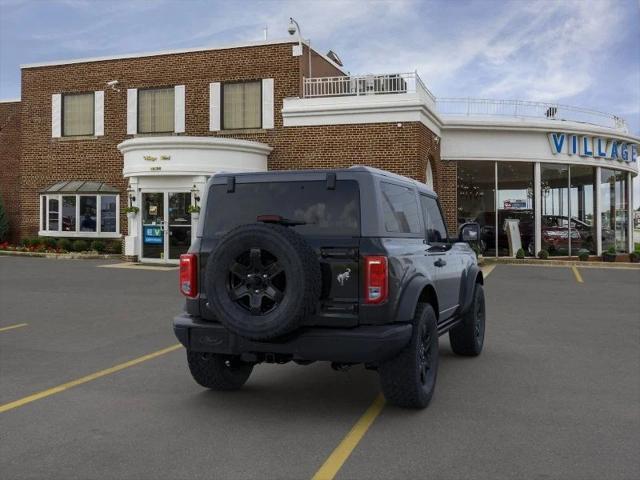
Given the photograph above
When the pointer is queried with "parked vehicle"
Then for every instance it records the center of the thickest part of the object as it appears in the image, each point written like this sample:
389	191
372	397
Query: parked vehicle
347	266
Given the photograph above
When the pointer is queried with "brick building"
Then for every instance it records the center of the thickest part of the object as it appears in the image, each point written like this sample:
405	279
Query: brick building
91	137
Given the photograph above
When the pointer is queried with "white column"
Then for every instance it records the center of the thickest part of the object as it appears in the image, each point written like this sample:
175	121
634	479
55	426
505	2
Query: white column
131	240
537	182
630	212
598	219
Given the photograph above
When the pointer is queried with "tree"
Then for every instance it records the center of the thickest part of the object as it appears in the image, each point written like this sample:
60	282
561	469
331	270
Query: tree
4	222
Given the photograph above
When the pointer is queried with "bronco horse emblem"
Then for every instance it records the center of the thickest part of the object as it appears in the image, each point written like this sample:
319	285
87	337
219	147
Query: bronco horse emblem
344	276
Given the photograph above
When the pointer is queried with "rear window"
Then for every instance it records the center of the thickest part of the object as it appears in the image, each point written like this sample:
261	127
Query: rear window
323	211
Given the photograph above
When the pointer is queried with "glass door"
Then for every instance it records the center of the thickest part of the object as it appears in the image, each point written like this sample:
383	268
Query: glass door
179	231
153	228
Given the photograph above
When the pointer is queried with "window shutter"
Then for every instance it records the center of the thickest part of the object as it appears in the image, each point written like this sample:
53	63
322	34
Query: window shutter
214	107
178	109
267	103
56	115
98	112
132	111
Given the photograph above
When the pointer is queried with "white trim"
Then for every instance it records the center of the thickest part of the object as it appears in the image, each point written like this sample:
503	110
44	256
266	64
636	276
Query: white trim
214	107
268	119
157	53
598	219
10	100
132	111
537	207
179	108
396	108
56	115
98	113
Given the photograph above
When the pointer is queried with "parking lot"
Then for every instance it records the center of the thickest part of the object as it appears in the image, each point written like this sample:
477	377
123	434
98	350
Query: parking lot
555	394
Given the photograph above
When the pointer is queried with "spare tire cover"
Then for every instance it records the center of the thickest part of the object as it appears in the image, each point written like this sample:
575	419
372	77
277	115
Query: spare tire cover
262	280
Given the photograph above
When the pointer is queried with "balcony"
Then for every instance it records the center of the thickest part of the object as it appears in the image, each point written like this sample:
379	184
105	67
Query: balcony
403	86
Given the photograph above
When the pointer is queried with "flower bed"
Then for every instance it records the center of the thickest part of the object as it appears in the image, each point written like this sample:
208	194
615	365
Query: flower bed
48	245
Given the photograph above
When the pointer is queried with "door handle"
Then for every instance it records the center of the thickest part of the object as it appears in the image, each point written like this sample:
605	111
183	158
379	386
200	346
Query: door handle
440	263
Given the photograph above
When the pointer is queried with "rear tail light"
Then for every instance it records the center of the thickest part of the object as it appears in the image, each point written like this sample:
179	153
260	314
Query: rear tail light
376	279
189	275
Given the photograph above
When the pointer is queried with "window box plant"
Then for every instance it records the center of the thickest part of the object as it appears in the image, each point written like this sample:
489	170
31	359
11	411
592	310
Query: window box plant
610	255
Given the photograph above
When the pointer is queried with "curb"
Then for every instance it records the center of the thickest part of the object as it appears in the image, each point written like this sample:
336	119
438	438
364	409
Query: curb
560	263
63	256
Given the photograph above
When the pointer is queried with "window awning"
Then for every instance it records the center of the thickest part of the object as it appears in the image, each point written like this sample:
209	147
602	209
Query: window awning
80	186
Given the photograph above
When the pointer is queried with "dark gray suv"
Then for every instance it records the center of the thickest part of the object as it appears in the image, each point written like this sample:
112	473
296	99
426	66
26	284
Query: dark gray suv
348	266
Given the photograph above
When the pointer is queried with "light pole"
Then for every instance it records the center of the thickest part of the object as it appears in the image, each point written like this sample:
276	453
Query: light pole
293	28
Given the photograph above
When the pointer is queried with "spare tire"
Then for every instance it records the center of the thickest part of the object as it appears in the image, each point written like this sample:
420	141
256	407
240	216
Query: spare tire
262	280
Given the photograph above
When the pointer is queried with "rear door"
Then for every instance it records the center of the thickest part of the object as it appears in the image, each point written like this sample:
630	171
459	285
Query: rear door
445	265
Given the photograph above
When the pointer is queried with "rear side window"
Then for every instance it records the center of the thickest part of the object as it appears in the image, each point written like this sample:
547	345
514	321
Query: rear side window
436	229
321	211
400	209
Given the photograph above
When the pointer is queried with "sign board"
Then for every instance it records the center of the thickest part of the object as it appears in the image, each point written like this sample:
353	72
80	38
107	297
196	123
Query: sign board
512	227
515	204
596	147
153	235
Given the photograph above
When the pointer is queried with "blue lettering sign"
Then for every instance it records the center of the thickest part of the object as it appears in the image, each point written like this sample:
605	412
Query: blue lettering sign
614	150
573	146
624	152
586	149
557	142
153	235
634	153
601	150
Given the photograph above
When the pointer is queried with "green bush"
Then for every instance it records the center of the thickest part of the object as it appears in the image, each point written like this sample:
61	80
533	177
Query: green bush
64	244
611	250
98	246
48	242
635	256
80	246
520	253
4	223
543	254
113	247
583	255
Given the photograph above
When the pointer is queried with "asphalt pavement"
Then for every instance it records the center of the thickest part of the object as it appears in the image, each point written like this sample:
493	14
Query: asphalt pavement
555	394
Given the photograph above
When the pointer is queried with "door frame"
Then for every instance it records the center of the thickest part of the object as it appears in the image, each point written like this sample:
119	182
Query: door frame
165	223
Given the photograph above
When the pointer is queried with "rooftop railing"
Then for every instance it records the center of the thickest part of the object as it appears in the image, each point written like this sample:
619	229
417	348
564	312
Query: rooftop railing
478	107
399	83
356	85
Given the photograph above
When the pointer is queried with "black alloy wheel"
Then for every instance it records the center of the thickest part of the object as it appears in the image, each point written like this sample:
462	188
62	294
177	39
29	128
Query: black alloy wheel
257	281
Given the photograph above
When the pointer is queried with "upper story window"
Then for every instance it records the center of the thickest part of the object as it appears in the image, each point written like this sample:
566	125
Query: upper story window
156	110
242	105
78	114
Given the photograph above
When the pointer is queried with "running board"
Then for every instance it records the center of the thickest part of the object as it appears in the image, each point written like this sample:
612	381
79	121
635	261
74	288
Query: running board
444	327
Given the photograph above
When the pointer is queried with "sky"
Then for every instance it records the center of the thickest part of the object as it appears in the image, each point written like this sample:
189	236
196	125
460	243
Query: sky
576	52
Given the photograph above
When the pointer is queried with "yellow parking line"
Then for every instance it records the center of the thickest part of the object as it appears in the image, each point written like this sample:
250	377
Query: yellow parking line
11	327
65	386
576	273
487	269
334	463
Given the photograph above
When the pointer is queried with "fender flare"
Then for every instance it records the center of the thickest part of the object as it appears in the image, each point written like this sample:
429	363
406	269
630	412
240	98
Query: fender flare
409	298
471	276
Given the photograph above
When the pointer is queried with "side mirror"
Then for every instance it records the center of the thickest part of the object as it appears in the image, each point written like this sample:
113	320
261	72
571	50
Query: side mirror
469	232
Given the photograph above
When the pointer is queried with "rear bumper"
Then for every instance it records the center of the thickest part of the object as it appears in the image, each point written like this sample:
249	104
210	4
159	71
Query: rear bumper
364	344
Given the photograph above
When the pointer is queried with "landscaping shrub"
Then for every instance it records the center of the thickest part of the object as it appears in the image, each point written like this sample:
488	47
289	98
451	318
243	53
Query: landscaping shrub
113	247
98	246
80	246
635	256
583	255
520	253
48	242
543	254
64	244
4	223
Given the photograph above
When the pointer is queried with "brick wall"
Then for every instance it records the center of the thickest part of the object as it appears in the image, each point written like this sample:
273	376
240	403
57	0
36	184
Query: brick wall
47	160
10	163
403	150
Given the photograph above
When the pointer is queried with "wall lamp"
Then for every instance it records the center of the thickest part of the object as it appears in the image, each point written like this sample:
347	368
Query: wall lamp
132	197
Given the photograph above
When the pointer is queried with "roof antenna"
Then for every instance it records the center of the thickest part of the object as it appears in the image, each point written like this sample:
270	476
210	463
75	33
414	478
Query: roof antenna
266	32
